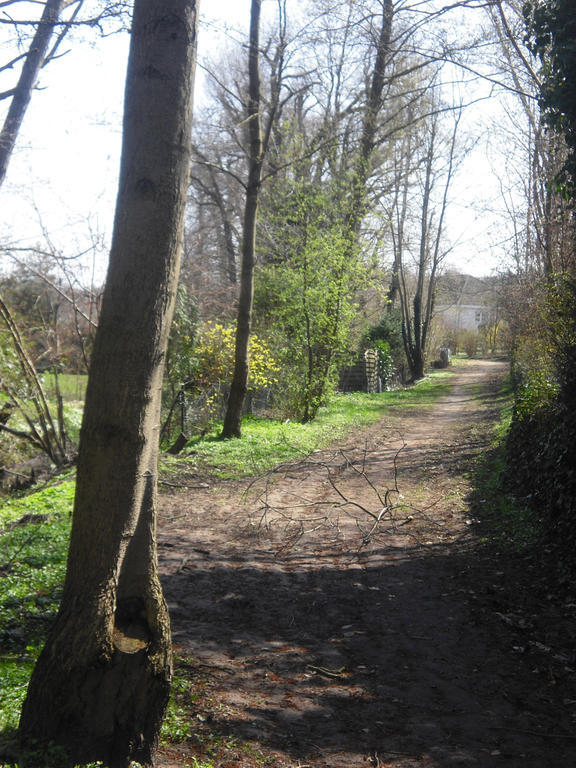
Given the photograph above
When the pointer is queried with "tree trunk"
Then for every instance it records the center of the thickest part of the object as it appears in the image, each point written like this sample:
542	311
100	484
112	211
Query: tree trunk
101	684
30	70
233	419
358	202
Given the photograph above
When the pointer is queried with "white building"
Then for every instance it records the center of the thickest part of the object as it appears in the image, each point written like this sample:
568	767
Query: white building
464	317
465	303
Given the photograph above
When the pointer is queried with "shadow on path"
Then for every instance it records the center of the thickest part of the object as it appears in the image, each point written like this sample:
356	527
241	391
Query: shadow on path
398	655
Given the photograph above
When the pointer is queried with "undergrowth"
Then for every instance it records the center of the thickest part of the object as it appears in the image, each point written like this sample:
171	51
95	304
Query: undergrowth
507	522
34	532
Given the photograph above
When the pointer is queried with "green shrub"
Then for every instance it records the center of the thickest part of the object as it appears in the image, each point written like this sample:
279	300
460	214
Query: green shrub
386	367
541	448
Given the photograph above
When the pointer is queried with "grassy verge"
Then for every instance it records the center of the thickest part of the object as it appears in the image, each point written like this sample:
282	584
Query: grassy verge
34	532
505	521
72	386
268	442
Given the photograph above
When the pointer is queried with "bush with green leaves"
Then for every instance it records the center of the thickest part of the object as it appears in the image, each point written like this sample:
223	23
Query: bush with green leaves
305	295
389	331
34	532
541	452
180	356
386	367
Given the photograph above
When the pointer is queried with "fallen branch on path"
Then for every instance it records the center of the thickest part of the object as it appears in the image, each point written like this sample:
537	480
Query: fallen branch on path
297	514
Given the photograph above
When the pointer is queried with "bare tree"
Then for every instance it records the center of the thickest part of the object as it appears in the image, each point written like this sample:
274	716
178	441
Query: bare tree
101	684
536	212
50	30
22	93
44	430
418	240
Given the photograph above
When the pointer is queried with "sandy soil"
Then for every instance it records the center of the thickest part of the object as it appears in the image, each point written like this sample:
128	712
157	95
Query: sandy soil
343	611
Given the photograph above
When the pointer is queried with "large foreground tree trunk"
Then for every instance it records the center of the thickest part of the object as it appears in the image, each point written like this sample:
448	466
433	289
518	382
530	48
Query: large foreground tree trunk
100	687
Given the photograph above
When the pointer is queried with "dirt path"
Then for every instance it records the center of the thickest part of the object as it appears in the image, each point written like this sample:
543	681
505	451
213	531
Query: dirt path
329	623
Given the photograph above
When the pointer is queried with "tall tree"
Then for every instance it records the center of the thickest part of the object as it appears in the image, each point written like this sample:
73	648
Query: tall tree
101	684
20	96
50	30
357	205
233	418
419	247
531	154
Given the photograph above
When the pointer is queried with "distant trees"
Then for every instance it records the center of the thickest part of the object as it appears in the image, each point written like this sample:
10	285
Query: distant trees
56	314
332	132
426	168
23	393
46	319
101	684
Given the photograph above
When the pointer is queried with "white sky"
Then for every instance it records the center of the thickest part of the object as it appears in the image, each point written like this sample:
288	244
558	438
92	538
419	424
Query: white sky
63	175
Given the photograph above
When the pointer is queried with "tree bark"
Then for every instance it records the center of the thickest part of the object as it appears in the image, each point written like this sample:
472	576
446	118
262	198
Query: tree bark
358	202
101	684
233	419
30	70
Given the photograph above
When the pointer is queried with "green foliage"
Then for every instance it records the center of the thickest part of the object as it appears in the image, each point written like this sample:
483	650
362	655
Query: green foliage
541	445
511	523
389	330
551	34
15	672
33	547
307	297
386	367
71	386
267	442
180	359
35	531
544	356
178	724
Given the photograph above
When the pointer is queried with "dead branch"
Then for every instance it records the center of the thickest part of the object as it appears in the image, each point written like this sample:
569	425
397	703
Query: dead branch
296	515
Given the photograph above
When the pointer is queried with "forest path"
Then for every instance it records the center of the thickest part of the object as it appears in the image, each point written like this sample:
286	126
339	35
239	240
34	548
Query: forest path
316	639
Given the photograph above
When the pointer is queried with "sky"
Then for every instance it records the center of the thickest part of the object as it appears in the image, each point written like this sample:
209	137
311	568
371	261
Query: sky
63	175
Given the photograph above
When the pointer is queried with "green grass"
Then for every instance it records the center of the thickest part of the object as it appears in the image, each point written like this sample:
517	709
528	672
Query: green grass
72	386
267	442
178	722
32	563
509	524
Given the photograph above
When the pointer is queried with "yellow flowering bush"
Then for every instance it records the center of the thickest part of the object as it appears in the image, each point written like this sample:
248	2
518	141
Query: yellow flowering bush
214	354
